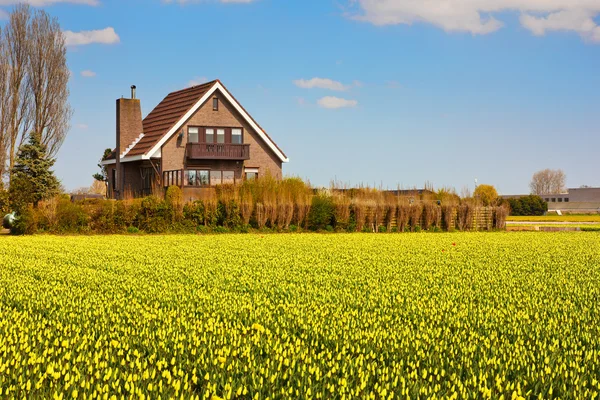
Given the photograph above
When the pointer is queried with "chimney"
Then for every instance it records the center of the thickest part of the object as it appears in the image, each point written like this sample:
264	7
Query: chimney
129	128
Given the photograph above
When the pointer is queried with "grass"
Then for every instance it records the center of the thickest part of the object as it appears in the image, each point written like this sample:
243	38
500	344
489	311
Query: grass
449	315
557	218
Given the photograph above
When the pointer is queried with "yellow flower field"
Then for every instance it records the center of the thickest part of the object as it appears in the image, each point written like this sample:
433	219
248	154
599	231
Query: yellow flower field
452	315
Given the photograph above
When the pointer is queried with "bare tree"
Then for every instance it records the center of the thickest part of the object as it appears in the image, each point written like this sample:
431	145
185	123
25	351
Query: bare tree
4	101
33	84
548	181
48	81
16	44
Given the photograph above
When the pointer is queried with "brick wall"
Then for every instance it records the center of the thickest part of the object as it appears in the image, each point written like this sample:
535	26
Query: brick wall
129	127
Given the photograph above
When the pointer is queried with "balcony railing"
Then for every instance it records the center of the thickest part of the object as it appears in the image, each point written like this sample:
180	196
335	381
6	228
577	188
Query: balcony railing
218	151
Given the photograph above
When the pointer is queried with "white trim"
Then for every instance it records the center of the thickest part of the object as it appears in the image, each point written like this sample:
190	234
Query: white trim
255	170
125	159
195	108
131	146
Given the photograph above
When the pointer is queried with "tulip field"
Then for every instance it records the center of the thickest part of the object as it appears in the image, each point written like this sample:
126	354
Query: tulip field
512	315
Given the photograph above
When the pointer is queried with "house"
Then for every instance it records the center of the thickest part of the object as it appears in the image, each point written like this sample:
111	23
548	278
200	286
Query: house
575	200
194	138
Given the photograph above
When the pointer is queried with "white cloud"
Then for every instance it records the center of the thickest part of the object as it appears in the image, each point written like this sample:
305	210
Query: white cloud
88	74
42	3
199	80
336	102
320	83
103	36
478	16
81	126
578	21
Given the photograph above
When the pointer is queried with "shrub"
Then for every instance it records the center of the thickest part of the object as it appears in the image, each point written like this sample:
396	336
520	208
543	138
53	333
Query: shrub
465	214
448	217
194	212
500	214
132	230
321	212
25	223
155	215
402	217
71	217
416	212
531	205
174	199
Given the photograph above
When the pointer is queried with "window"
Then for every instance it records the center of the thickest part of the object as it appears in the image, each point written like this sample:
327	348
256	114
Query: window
192	135
191	178
547	199
215	178
172	178
228	177
566	199
202	178
196	177
220	135
210	135
251	173
147	175
215	104
236	136
560	199
114	179
554	199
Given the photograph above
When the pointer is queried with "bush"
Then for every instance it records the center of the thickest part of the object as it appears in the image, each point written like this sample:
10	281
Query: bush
155	215
132	230
26	222
531	205
321	212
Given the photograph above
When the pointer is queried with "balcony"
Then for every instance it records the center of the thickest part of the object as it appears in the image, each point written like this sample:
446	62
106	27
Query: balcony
217	151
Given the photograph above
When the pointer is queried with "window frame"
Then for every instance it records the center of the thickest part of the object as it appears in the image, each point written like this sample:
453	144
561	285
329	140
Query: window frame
250	170
197	133
215	104
241	135
197	174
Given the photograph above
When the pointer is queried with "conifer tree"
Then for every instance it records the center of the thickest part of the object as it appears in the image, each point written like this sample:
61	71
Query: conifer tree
32	176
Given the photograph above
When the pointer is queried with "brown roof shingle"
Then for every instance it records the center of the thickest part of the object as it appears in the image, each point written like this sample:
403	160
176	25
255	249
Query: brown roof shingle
166	114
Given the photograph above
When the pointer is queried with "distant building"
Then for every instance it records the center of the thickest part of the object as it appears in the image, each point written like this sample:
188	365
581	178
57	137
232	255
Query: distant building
583	200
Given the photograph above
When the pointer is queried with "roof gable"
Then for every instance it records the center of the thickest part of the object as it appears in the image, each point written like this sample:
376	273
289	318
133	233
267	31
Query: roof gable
166	114
167	118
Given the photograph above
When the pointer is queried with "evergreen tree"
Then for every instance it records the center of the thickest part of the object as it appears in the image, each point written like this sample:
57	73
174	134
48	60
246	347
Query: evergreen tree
102	176
32	178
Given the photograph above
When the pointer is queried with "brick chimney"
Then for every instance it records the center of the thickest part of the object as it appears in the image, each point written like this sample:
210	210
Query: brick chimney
129	127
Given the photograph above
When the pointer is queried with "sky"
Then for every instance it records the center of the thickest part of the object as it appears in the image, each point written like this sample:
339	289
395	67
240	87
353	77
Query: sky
387	93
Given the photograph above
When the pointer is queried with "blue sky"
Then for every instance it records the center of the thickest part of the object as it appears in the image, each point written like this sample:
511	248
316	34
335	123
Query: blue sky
407	92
